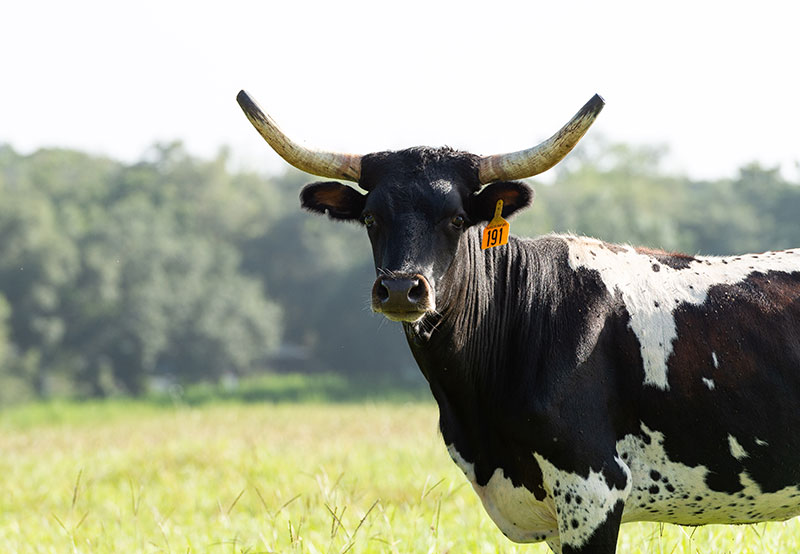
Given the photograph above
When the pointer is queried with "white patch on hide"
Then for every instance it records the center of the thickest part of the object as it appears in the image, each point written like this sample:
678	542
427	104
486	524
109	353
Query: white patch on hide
515	510
442	185
584	503
759	442
737	451
669	491
715	360
652	290
709	383
658	489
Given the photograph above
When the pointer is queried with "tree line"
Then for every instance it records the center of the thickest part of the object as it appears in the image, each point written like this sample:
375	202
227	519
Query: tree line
178	269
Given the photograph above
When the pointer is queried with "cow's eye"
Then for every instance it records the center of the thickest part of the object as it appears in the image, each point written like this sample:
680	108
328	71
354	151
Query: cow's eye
369	220
457	221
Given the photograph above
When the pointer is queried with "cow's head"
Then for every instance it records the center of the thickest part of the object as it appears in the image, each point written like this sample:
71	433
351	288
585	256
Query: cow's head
420	203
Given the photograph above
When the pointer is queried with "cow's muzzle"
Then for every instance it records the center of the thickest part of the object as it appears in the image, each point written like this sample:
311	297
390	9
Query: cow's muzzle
402	297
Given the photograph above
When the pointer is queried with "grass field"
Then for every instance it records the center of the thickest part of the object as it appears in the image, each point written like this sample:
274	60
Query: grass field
245	478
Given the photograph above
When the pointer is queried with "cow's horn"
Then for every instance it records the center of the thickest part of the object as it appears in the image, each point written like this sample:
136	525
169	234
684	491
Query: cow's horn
317	162
530	162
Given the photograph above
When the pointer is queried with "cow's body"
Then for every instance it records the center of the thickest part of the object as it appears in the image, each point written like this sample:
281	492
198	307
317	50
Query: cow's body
580	384
593	384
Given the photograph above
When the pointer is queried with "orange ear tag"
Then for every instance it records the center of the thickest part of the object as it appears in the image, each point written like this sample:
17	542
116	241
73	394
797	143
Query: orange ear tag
496	232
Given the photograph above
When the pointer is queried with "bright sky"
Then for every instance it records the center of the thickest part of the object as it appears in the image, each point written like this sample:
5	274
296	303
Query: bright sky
718	82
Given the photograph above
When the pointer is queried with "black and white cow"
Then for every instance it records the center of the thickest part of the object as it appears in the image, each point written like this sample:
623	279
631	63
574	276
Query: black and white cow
580	384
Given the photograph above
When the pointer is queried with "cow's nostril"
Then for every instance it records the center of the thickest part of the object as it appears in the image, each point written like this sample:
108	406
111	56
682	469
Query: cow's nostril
381	292
416	292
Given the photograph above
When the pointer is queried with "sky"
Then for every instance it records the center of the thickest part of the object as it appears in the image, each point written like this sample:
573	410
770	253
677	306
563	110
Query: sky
716	82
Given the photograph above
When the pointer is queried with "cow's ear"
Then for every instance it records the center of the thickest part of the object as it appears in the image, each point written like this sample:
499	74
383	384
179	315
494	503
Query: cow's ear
337	200
515	196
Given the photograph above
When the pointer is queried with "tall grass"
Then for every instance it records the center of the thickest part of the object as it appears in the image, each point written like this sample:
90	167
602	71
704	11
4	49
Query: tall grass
246	478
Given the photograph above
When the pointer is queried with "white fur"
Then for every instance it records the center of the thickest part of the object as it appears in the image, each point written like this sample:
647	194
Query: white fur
702	504
652	296
515	510
737	451
442	185
523	518
658	489
597	500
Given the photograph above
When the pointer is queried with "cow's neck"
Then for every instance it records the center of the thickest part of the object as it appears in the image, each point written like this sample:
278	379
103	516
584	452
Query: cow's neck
486	332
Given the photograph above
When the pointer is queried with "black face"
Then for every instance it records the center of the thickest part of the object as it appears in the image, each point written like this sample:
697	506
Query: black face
420	204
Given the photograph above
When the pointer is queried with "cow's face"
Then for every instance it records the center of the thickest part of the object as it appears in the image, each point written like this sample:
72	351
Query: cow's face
420	204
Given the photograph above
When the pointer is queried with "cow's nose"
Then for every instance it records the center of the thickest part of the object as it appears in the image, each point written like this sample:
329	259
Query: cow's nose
403	297
391	291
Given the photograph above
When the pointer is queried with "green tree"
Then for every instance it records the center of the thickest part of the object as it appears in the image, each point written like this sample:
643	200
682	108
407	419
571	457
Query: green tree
116	273
37	264
161	293
619	195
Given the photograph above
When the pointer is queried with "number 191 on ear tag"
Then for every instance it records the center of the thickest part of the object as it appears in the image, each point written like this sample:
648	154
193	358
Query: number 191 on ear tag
496	232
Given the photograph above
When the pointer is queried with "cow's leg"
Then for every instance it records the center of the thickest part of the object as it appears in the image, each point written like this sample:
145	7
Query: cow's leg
589	506
604	538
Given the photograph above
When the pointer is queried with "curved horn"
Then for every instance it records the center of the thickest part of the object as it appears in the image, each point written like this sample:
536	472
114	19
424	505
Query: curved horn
530	162
317	162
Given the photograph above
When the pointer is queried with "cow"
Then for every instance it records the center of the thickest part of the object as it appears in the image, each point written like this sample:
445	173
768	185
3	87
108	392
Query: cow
580	384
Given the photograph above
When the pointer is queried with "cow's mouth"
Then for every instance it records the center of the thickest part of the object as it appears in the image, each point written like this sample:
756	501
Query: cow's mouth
407	317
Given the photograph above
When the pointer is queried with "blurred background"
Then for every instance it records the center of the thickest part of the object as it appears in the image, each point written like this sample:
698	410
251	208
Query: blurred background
152	244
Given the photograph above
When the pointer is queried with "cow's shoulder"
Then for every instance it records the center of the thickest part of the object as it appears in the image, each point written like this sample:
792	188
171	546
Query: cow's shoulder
655	286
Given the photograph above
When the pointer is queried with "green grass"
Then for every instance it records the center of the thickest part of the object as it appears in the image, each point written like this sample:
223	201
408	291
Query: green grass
236	478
